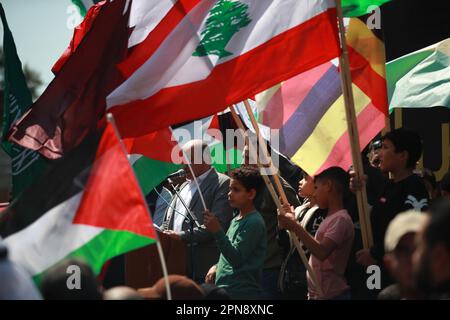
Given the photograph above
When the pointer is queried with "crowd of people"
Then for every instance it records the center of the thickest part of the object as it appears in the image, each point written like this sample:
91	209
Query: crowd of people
242	246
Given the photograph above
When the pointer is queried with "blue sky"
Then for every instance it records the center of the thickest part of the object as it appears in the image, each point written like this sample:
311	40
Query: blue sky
42	29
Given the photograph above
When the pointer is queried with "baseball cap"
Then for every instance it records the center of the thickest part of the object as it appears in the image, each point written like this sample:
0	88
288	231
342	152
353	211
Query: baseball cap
403	223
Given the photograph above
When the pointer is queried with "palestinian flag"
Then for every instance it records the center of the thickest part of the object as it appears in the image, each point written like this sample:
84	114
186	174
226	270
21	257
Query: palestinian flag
222	52
88	206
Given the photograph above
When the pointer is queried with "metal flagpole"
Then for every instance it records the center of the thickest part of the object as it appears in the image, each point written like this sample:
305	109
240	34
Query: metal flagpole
195	179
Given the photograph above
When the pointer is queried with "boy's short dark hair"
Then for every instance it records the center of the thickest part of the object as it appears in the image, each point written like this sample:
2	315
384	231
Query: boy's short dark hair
249	177
406	140
338	176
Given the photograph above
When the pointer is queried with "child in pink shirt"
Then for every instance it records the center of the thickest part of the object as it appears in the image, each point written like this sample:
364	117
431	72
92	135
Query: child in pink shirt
331	246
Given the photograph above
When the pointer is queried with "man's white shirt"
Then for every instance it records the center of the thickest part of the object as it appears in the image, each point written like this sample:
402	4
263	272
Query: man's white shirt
186	193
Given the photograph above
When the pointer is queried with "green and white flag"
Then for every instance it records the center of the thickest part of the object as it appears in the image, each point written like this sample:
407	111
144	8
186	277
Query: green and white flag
27	165
420	79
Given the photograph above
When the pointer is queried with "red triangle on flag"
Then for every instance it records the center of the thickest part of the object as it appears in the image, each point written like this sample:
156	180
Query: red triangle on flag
112	198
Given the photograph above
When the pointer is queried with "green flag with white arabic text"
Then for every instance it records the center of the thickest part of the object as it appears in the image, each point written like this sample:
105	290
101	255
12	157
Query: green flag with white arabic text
27	165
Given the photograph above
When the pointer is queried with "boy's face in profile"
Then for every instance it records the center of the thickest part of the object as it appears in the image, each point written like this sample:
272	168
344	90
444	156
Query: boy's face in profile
321	190
306	186
238	196
389	159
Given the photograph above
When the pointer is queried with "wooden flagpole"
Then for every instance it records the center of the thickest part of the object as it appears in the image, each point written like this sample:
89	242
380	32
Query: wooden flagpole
264	150
346	83
387	125
275	198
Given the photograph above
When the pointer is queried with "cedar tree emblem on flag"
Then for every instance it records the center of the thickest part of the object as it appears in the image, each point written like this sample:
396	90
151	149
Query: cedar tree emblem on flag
225	19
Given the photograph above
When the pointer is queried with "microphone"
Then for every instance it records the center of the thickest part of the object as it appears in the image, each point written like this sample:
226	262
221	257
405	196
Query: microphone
177	174
180	174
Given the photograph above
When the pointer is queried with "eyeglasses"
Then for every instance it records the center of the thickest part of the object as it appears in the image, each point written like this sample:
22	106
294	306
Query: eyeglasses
376	145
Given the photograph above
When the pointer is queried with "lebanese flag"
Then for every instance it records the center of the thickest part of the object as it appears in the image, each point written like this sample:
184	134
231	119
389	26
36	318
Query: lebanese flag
88	206
220	53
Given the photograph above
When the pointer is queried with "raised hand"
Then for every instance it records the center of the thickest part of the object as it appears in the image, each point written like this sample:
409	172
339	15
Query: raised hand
211	222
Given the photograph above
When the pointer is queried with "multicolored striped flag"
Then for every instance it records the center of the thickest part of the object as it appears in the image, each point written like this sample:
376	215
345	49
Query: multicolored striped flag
88	206
202	66
420	79
309	109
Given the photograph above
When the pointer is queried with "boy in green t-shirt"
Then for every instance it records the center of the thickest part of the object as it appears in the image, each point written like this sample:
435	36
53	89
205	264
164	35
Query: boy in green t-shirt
243	247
